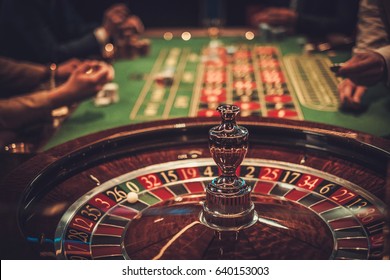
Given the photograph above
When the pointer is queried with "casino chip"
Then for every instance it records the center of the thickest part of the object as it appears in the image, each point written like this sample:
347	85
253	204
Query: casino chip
108	95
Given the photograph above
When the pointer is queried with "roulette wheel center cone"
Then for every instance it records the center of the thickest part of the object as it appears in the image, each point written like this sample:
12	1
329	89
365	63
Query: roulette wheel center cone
228	206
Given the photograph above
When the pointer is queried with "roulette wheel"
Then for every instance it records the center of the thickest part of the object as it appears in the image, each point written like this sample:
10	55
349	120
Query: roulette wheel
177	189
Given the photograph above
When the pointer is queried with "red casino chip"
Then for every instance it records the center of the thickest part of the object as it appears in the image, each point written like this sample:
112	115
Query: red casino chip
244	85
215	63
243	68
214	91
215	77
213	98
269	63
242	54
272	76
266	50
278	98
248	106
282	114
208	113
220	51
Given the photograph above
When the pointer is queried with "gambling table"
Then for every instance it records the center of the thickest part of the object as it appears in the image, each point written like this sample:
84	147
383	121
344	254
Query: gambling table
269	79
117	182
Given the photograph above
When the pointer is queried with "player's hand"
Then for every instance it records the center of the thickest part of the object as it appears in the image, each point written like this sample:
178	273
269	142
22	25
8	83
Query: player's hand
87	79
66	68
132	25
114	17
365	68
350	95
276	17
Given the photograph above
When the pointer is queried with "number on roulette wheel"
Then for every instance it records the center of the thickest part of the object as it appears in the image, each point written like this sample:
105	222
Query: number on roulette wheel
152	191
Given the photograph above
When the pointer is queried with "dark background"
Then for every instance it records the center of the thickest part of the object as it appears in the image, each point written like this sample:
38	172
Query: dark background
175	13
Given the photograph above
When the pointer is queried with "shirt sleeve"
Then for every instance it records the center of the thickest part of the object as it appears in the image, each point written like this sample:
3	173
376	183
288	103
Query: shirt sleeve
385	52
372	34
19	77
19	111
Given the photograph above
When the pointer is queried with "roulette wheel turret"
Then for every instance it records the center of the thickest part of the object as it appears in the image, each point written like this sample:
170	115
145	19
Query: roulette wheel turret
228	205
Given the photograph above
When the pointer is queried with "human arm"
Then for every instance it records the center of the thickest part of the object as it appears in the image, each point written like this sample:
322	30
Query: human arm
86	80
18	77
19	111
371	59
23	110
365	68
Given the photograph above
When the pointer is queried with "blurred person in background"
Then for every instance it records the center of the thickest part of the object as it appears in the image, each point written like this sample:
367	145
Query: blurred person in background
48	31
312	18
370	62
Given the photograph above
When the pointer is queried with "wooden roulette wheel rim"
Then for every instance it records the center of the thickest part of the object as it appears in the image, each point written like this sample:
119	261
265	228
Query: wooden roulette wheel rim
49	178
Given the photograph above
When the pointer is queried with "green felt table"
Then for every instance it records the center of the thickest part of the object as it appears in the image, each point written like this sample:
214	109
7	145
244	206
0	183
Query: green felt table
88	118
